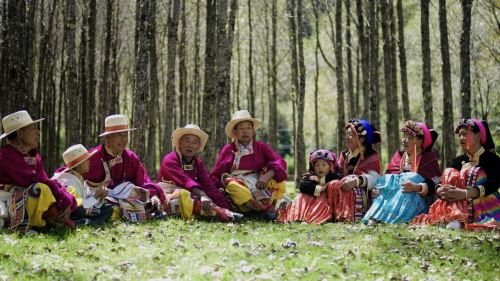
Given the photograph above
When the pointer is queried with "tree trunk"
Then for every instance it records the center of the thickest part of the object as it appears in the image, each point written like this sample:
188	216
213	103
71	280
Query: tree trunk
301	147
105	100
182	69
350	83
17	61
72	125
426	64
465	107
3	61
363	42
391	100
251	94
30	85
173	19
141	85
153	95
316	78
83	77
210	96
114	107
273	112
340	76
197	92
373	97
402	62
449	149
90	134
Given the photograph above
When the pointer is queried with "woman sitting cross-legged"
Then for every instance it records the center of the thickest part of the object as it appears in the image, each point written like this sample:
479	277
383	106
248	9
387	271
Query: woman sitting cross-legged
34	199
91	206
408	187
469	189
311	205
189	189
360	168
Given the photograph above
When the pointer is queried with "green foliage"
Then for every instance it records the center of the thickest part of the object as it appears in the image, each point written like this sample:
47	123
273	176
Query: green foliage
290	164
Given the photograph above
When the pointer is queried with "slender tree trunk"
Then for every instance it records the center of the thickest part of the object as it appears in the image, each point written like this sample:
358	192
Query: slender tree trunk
373	97
182	69
90	135
170	98
465	104
251	94
153	94
363	42
358	80
105	100
197	89
30	85
301	147
402	62
350	83
113	100
316	79
3	61
273	112
72	125
17	61
449	149
210	96
340	76
391	101
293	14
83	76
426	64
141	87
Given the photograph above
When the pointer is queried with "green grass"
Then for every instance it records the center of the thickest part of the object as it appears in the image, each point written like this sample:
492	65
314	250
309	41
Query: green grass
194	250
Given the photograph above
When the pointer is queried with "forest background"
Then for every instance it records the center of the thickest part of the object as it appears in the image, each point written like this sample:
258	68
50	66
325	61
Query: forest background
303	67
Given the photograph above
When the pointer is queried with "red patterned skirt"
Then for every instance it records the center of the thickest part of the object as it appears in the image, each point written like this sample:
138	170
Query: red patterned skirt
308	208
347	206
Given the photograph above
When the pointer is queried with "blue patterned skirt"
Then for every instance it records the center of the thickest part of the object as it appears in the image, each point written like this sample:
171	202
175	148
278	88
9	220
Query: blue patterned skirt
394	206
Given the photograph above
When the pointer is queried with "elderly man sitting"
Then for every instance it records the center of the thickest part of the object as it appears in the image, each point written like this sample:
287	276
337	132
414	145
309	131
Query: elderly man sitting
120	170
183	174
31	196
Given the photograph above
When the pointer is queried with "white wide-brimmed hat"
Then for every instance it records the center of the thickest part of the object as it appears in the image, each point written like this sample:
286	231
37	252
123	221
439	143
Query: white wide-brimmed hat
240	116
190	129
76	155
16	121
115	124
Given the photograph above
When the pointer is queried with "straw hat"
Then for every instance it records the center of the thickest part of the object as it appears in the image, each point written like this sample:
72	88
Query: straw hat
190	129
240	116
16	121
76	155
115	124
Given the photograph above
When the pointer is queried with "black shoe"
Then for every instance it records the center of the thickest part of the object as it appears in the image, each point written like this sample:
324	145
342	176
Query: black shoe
158	215
272	215
210	219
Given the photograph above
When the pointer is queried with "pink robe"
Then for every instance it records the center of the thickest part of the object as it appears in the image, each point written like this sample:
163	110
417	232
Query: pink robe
171	170
263	156
15	170
133	171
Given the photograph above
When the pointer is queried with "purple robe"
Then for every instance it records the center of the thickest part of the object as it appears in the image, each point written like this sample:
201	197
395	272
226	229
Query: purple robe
171	170
124	168
20	170
262	157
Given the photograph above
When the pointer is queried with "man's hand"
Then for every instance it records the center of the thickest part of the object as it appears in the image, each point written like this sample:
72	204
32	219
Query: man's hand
349	184
63	216
206	204
155	201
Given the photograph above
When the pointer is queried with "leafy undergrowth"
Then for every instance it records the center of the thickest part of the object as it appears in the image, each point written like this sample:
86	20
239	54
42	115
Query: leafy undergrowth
173	249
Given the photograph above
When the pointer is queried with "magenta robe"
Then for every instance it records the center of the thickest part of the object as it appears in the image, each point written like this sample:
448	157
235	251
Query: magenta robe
263	156
171	170
134	171
14	170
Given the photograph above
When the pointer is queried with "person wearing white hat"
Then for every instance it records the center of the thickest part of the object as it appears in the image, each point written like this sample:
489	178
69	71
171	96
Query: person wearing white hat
113	166
91	206
182	170
35	198
248	170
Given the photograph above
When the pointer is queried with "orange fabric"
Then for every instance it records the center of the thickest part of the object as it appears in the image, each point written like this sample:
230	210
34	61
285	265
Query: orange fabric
77	160
342	202
116	128
446	211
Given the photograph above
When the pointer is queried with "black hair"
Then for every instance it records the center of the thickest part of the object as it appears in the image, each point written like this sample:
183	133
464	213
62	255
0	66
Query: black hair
12	136
242	121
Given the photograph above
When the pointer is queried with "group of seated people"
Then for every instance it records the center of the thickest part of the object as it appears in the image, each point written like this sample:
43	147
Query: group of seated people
413	188
109	182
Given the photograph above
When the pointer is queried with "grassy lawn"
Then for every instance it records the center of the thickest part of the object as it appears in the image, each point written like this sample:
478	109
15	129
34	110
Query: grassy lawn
174	249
